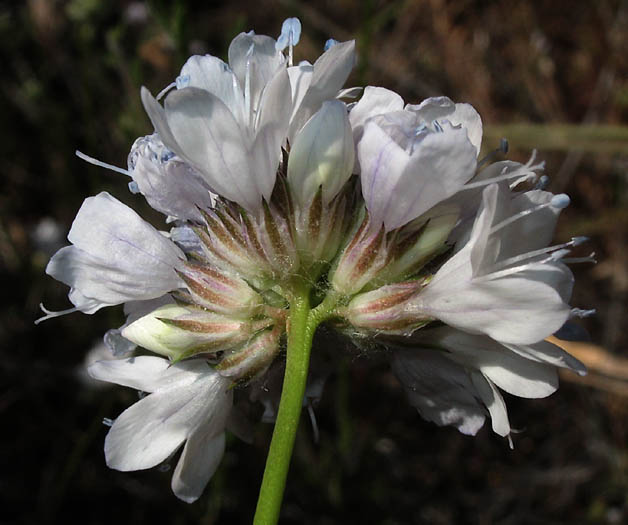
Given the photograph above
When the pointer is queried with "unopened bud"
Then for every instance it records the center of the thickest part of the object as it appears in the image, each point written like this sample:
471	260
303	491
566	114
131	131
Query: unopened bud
253	358
383	310
361	260
219	292
322	155
179	332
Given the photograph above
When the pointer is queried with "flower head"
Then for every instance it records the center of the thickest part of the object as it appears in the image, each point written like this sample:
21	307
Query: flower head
289	207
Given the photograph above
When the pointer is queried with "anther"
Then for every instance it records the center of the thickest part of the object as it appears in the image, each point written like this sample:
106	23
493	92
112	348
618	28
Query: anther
289	37
560	201
330	43
503	149
526	171
542	182
182	81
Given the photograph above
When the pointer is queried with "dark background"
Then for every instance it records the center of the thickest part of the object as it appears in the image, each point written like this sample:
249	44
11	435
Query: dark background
70	79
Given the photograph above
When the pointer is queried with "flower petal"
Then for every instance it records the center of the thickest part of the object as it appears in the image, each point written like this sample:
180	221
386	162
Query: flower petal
439	389
494	402
330	72
271	128
172	188
146	433
375	101
400	185
254	61
322	154
522	308
509	371
198	463
116	257
147	373
209	138
546	352
442	109
212	74
381	162
149	431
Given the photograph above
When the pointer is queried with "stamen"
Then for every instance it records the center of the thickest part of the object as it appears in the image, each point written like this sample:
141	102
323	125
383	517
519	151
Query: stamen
289	37
166	89
134	188
107	421
329	44
529	255
503	148
542	183
556	256
101	164
526	171
182	81
578	312
310	411
575	260
560	201
50	314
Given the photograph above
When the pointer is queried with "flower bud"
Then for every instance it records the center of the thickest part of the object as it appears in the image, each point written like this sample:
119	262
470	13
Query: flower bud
253	358
320	230
220	292
322	155
383	310
259	249
179	332
361	260
416	245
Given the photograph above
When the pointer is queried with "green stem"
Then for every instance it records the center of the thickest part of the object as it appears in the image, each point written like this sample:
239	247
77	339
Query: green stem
297	363
301	328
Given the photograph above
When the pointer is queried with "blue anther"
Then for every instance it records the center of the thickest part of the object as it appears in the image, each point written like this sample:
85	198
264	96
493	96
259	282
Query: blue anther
560	201
503	145
166	156
182	81
134	188
290	34
542	182
330	43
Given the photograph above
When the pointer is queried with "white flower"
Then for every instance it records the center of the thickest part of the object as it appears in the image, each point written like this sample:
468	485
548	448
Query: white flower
252	160
116	257
452	377
188	403
229	122
314	84
503	282
168	184
411	159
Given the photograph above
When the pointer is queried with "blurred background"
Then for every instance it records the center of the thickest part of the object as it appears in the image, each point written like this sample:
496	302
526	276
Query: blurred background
546	75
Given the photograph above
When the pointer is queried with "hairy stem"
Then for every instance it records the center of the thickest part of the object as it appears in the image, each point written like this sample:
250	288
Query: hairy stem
297	363
302	325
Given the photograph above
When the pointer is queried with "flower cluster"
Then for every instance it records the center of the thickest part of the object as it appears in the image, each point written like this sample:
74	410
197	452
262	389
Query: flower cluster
269	176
